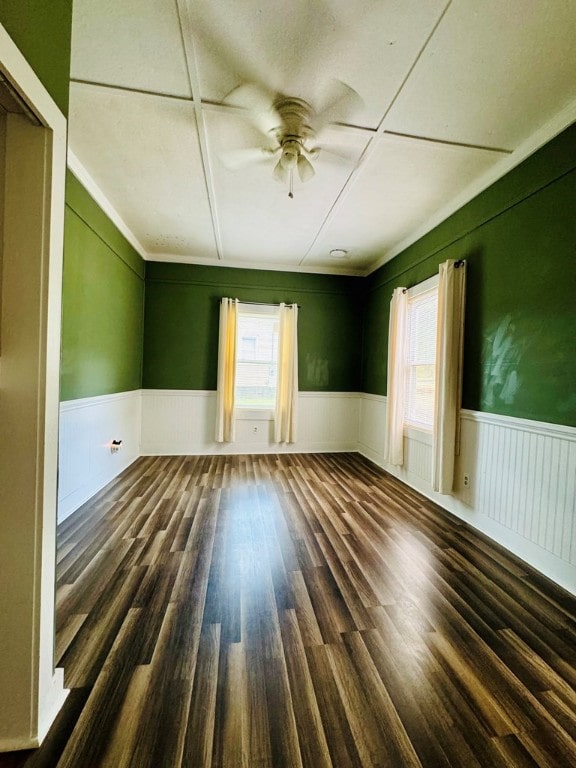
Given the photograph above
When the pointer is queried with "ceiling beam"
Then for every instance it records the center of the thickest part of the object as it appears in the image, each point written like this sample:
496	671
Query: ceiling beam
349	128
371	145
190	56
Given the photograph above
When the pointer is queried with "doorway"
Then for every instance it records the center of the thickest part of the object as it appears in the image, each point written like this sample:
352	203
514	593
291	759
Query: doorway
32	176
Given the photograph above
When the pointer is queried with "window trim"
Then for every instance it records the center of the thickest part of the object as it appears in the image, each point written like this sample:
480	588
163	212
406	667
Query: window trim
423	287
410	428
249	412
244	413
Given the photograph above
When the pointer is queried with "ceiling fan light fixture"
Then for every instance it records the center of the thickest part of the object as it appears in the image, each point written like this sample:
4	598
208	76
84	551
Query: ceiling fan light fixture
290	154
291	122
305	169
280	172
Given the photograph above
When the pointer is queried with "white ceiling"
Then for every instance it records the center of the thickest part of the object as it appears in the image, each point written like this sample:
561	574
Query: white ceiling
453	94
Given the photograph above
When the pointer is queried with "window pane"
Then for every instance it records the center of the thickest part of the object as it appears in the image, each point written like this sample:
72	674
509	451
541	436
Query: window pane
420	405
422	329
256	361
421	359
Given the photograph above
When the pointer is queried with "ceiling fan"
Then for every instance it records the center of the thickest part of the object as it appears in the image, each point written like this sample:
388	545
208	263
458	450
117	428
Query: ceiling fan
290	124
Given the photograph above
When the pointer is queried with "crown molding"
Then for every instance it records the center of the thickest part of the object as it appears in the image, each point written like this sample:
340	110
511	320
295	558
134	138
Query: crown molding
538	139
96	193
173	258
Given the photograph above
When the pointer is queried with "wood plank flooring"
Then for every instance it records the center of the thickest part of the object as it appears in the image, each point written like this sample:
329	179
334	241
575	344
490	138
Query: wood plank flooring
300	611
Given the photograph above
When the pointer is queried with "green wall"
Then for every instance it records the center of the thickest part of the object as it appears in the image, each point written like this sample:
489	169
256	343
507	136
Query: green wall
181	323
519	239
42	30
102	305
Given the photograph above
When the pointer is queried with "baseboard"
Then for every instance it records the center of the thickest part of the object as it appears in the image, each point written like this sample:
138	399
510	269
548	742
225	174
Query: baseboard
182	422
87	459
522	491
19	744
51	706
501	455
70	503
239	449
54	700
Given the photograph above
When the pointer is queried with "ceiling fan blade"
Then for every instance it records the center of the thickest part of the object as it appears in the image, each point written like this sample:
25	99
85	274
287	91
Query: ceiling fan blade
340	155
280	173
342	102
259	104
235	159
305	169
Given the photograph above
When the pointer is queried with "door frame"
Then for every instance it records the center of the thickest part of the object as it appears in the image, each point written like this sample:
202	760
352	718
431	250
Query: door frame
31	285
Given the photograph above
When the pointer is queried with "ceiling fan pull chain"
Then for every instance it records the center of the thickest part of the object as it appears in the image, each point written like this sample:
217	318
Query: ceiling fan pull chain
291	193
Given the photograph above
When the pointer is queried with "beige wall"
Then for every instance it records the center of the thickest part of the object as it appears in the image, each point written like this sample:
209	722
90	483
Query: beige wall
2	184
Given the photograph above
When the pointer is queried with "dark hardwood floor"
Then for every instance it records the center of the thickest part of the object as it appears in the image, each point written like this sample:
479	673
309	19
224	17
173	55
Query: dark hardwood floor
300	610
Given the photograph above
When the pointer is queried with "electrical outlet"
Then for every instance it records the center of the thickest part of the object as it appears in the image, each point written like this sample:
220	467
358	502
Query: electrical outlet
466	480
254	430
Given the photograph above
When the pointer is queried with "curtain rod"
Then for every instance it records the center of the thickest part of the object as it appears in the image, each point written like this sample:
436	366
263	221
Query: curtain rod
263	303
457	264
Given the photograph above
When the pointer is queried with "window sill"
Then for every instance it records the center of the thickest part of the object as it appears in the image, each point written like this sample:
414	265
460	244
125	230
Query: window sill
421	434
254	414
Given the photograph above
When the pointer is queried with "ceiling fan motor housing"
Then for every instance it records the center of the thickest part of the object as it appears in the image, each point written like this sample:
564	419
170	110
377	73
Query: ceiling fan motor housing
291	134
296	118
291	148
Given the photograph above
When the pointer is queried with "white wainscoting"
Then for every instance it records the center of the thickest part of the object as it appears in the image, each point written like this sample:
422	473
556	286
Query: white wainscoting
180	422
87	428
523	482
523	473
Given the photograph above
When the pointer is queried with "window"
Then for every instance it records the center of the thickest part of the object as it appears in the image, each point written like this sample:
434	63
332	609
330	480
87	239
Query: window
257	368
420	362
256	357
425	352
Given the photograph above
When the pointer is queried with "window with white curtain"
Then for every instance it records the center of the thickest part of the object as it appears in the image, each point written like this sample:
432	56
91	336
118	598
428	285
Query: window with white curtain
425	354
256	357
420	354
257	368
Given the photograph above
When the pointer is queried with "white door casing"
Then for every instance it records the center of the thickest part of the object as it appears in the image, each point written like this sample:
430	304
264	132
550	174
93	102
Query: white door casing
30	309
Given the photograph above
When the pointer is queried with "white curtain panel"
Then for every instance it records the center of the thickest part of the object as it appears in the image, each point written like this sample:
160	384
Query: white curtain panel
226	371
287	386
394	451
449	355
